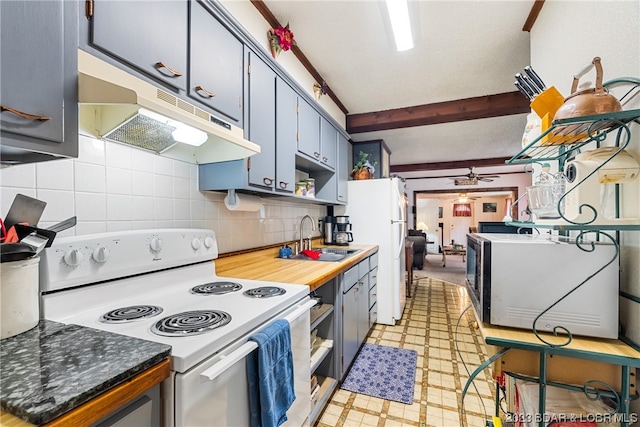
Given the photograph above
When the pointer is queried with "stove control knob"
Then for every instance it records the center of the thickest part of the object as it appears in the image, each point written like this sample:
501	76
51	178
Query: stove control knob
73	258
208	242
155	244
100	254
196	243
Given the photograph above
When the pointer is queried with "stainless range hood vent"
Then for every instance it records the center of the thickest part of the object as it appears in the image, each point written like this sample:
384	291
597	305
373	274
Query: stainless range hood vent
118	106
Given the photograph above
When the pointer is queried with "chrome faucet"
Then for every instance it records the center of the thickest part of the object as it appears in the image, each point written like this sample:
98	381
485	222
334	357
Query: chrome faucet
313	228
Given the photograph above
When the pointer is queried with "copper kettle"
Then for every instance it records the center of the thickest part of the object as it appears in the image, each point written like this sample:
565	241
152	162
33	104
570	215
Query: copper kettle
588	102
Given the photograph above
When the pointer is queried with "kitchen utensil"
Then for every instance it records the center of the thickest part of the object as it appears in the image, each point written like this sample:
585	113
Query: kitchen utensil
24	209
19	294
535	77
63	225
528	90
37	238
536	90
590	101
523	90
16	252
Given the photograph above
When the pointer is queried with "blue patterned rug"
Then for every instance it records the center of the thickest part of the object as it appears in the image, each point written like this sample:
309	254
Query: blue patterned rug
385	372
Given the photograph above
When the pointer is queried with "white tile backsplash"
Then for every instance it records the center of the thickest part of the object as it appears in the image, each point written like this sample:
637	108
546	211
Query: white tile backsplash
22	177
113	187
89	177
91	206
55	175
118	181
91	150
119	207
142	183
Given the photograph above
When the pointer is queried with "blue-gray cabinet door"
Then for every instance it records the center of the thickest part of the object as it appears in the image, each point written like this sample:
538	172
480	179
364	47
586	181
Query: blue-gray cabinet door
148	35
350	344
308	130
216	64
39	72
343	168
286	129
262	122
328	143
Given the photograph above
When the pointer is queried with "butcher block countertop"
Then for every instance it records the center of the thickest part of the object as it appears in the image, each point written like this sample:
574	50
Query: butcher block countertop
265	265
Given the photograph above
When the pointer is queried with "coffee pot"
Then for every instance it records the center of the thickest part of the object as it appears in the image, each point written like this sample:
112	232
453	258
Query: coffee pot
328	228
343	237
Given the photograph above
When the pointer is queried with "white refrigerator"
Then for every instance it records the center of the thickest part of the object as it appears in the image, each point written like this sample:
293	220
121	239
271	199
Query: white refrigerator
377	213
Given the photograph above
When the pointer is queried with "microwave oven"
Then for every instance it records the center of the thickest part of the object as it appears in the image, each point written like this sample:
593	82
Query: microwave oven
512	278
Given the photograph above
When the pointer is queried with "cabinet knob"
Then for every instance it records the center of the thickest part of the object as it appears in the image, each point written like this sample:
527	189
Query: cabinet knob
316	154
283	184
324	159
160	64
207	94
267	180
24	115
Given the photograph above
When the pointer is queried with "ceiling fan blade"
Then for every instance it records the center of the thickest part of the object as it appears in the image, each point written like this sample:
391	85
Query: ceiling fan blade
485	179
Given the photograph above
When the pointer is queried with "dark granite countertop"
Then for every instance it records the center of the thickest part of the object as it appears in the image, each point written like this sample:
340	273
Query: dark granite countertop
53	368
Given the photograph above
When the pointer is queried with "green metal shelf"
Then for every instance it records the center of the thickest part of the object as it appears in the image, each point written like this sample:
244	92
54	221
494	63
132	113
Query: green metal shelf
560	141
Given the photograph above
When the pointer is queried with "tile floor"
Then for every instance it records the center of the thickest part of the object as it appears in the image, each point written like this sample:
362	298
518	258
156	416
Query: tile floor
429	327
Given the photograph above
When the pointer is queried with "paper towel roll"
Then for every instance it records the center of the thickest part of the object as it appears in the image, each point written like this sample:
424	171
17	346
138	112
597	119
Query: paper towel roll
242	202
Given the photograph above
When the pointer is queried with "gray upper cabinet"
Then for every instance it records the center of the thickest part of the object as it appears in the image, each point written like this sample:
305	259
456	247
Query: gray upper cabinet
308	130
343	168
38	65
215	64
286	130
148	35
328	143
262	122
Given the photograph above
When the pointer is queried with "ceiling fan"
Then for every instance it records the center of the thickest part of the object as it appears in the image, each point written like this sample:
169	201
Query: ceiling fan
472	178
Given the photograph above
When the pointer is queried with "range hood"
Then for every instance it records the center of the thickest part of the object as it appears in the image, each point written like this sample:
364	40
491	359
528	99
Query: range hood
118	106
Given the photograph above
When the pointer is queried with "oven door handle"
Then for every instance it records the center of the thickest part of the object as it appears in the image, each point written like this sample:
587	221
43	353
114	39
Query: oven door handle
235	356
229	360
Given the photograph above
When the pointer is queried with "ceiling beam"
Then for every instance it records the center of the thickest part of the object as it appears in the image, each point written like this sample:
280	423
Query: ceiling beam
273	21
533	15
480	107
458	164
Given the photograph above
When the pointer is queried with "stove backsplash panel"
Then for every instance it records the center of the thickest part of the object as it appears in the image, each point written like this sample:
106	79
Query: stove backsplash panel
112	187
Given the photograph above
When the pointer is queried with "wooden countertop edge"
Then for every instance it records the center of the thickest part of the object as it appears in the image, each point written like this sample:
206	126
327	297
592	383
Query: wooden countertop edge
102	405
265	265
498	335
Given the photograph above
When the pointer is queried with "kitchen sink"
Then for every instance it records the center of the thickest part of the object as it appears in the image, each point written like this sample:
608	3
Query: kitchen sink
327	255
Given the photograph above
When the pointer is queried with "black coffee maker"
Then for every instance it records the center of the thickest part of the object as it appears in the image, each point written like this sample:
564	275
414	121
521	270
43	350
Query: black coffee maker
342	235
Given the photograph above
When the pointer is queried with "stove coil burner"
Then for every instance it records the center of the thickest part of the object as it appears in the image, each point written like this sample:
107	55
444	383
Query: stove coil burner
190	323
216	288
265	292
129	314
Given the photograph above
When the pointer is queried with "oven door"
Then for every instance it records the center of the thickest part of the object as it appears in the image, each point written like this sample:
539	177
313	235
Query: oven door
215	392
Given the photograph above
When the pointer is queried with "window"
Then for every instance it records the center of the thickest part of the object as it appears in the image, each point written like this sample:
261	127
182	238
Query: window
461	209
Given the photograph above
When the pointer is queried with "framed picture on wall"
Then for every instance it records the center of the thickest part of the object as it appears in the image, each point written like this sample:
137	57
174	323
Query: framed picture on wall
490	207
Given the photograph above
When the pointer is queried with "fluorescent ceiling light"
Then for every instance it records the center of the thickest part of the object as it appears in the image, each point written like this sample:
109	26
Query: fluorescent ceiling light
399	16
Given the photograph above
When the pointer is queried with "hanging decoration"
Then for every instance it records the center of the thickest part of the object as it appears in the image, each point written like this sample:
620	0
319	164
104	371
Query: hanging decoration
319	90
280	38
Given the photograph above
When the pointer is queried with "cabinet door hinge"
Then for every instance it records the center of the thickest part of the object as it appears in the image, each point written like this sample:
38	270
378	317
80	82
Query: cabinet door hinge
240	101
88	8
248	68
248	163
297	136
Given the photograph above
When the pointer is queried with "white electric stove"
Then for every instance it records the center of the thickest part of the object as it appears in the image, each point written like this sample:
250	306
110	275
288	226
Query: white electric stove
161	285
